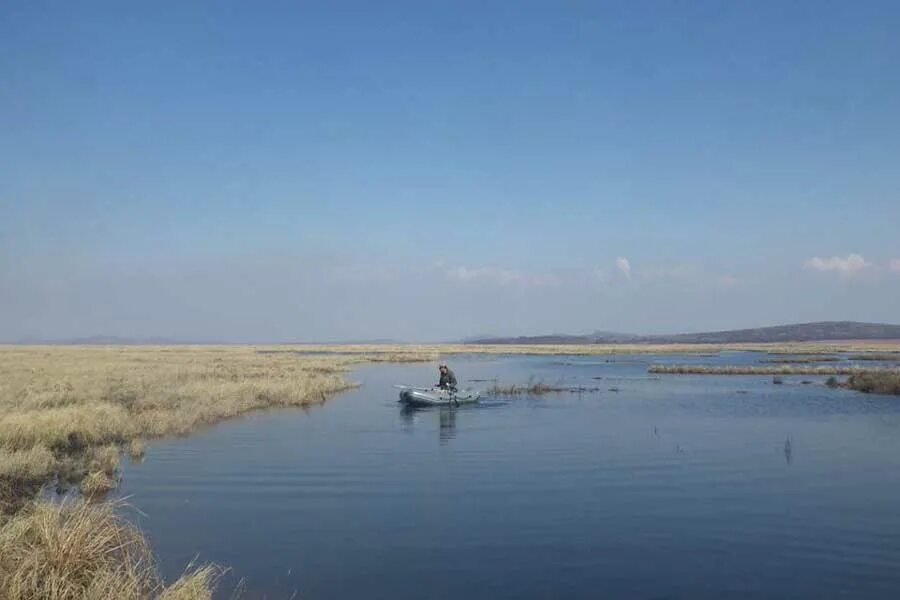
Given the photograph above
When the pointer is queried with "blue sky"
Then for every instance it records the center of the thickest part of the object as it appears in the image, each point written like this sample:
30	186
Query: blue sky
425	170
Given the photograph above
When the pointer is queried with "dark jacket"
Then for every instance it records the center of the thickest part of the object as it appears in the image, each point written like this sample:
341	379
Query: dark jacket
448	380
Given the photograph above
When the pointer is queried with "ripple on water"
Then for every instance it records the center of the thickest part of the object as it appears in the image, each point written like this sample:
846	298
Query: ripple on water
677	487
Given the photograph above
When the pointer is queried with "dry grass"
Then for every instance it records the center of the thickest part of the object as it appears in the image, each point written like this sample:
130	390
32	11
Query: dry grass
883	356
58	404
530	389
760	370
801	359
68	411
136	449
197	584
533	388
884	382
84	551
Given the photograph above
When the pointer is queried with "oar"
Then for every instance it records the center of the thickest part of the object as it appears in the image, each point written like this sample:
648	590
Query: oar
412	387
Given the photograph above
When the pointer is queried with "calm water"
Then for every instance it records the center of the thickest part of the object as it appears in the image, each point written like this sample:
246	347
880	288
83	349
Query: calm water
678	487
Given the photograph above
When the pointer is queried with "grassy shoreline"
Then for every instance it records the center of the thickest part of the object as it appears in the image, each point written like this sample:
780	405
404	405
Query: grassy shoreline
67	414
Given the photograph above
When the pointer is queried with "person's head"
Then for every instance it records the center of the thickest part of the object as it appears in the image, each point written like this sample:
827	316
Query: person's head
442	368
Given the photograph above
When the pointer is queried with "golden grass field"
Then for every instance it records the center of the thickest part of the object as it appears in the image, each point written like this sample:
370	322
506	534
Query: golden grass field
67	414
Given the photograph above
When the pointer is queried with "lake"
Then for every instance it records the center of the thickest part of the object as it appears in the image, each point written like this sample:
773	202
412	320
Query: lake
671	487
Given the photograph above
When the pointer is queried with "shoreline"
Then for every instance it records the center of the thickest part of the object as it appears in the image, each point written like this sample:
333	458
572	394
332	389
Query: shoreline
69	413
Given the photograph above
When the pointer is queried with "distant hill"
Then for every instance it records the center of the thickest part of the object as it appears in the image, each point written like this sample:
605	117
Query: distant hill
801	332
106	340
113	340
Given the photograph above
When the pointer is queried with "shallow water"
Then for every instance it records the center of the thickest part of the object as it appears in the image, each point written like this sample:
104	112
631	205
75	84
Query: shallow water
676	487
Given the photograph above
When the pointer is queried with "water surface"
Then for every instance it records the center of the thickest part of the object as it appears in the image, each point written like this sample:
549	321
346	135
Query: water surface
670	487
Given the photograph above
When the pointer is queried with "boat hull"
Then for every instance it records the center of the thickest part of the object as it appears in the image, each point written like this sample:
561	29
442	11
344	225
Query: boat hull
438	397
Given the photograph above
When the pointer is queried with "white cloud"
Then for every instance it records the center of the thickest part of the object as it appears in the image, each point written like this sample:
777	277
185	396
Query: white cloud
624	265
846	266
895	265
497	276
728	281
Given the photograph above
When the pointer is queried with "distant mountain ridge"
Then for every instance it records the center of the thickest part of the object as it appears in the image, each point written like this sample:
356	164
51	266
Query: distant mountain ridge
799	332
114	340
108	340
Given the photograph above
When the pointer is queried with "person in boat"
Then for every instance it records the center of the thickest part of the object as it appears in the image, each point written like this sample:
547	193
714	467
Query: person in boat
448	379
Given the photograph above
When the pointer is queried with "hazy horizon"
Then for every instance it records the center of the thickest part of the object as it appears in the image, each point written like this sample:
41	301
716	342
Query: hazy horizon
352	171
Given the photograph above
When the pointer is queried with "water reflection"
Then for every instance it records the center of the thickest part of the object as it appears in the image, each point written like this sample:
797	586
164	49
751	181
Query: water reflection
448	424
446	419
551	496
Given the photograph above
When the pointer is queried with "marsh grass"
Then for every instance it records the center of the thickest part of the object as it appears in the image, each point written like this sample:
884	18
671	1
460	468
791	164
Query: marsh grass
136	449
76	550
533	388
880	356
68	412
801	359
884	382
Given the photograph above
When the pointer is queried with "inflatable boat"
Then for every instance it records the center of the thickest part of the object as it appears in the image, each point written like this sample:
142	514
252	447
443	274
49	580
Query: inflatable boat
414	396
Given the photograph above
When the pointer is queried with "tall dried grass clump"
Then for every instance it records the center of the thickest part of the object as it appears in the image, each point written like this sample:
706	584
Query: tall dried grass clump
196	584
83	551
875	382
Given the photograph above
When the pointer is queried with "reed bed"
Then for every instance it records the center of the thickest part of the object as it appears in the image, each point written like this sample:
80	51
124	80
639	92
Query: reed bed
800	359
885	382
763	370
67	412
78	550
880	356
535	389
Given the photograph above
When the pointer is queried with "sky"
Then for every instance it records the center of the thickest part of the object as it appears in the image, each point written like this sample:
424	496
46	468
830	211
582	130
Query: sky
427	171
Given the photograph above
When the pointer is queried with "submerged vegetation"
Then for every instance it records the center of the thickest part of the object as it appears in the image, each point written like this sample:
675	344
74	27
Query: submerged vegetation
762	370
535	389
530	389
